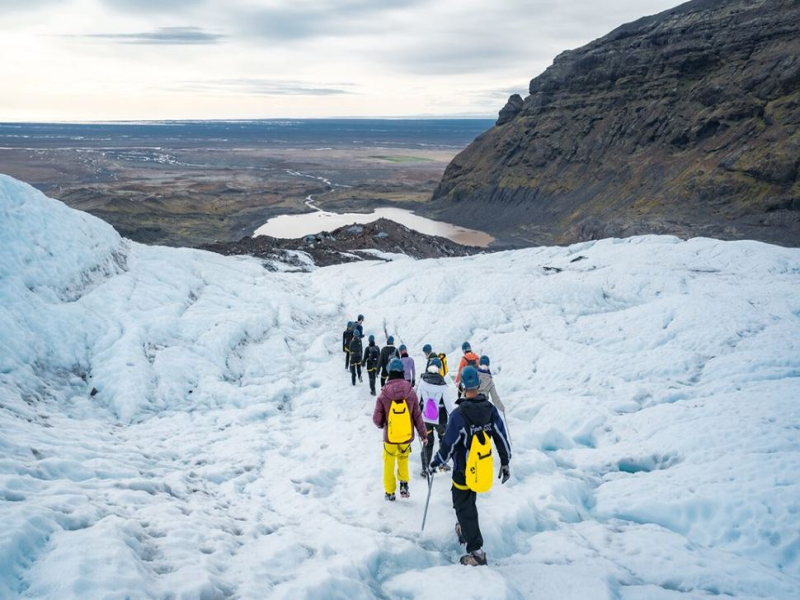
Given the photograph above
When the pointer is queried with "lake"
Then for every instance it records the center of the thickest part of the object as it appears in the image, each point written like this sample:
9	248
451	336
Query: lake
297	226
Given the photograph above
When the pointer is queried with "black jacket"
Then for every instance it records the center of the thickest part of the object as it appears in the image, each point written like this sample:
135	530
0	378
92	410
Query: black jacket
372	356
347	337
433	378
356	349
387	354
471	415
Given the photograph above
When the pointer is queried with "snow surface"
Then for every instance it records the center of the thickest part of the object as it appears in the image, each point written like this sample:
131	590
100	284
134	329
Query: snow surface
651	384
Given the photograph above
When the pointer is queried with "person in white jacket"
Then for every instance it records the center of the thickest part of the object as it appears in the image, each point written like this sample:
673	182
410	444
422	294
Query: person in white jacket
436	403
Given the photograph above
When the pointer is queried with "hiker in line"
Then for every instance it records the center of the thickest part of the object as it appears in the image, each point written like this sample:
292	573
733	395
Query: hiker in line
409	368
356	350
470	423
347	337
430	355
388	352
469	359
437	403
372	357
397	413
488	388
359	324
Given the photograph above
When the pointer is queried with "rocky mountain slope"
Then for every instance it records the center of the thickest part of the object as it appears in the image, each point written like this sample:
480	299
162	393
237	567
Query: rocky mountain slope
686	122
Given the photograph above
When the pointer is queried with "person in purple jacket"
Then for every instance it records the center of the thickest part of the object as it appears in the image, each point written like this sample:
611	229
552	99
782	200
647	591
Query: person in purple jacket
408	366
397	389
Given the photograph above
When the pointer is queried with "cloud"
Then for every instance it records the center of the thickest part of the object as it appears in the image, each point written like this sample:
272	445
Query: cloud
337	18
150	6
11	6
162	35
263	87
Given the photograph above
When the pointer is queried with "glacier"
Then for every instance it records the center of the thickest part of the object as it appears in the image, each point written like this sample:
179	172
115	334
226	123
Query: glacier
177	424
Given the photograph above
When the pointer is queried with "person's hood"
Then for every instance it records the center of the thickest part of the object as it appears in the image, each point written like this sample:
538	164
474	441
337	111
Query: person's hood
433	378
397	389
477	410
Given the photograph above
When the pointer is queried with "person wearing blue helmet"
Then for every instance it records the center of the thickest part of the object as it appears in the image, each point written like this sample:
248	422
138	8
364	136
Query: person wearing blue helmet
475	414
409	368
359	324
397	412
488	388
372	357
347	337
436	403
356	351
388	352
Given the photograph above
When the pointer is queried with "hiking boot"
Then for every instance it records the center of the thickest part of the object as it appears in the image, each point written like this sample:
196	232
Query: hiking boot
404	493
461	538
476	558
424	473
390	497
372	393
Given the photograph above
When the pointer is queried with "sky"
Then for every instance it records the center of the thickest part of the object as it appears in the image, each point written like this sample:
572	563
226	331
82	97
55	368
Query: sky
97	60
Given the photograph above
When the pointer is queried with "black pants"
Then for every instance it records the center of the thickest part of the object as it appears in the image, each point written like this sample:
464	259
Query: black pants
355	367
384	377
427	451
347	359
372	375
467	515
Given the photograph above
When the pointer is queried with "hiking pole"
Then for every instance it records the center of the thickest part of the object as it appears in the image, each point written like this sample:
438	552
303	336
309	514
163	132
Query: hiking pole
430	487
508	430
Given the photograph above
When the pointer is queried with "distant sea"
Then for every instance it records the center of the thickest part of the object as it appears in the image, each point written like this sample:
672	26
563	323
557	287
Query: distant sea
290	133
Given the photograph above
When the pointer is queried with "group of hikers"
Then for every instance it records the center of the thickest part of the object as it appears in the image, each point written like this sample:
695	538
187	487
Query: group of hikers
465	426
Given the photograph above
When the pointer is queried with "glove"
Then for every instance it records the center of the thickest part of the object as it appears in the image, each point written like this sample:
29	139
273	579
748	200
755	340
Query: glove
505	473
434	465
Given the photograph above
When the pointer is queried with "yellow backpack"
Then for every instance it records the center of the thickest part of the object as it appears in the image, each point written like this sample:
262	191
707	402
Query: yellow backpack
480	464
443	359
398	424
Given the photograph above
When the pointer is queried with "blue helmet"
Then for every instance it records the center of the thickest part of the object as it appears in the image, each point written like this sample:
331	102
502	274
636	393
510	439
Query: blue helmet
396	366
371	338
390	340
427	349
350	324
470	378
465	347
402	348
484	360
360	318
435	362
358	333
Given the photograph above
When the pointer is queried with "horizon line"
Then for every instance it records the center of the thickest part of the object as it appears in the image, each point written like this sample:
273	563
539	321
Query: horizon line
245	120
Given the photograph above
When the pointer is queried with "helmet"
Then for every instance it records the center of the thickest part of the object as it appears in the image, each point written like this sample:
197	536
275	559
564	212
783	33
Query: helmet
470	378
402	348
350	324
434	365
360	318
427	349
396	366
358	333
484	360
390	340
371	338
465	347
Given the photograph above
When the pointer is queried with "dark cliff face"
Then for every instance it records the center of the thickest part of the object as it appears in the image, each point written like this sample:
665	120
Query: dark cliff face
686	122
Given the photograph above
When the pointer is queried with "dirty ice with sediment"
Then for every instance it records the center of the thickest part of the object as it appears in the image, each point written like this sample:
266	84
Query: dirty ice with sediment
652	388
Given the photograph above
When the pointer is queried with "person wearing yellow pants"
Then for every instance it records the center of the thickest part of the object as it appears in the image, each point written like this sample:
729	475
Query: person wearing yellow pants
395	453
397	397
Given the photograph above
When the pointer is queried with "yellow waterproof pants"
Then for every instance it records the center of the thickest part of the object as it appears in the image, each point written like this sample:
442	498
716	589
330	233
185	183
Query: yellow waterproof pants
400	452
